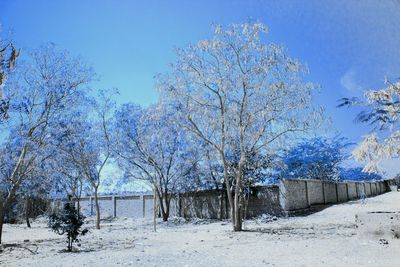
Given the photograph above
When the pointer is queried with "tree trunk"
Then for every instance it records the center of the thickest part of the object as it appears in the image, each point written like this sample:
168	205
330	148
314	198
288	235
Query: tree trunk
96	200
228	189
238	218
165	216
221	203
154	210
237	203
78	206
164	208
69	244
1	221
27	212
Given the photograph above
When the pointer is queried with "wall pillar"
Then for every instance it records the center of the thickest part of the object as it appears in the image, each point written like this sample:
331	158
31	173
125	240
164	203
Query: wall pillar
114	201
91	205
307	196
143	205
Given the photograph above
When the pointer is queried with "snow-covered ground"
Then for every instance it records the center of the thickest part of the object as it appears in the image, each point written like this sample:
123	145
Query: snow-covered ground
327	238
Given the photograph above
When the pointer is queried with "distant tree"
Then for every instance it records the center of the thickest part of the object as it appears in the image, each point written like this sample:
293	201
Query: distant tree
382	110
151	147
357	174
69	221
235	90
317	158
41	92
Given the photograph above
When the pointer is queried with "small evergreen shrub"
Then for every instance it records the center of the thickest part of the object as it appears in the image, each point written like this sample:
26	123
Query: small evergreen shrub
69	221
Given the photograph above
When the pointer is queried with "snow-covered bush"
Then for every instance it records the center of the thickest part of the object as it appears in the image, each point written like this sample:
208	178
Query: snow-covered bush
69	222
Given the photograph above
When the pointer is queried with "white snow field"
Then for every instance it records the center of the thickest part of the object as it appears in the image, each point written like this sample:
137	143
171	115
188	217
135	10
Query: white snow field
327	238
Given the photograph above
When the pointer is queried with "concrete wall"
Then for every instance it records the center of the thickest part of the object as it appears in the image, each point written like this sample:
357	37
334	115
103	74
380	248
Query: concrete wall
373	189
382	186
360	190
367	189
293	194
204	204
290	195
135	206
330	192
325	192
264	200
351	191
210	204
214	204
130	206
315	192
342	192
106	207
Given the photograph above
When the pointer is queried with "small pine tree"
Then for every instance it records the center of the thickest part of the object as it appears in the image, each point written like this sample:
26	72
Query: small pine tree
69	222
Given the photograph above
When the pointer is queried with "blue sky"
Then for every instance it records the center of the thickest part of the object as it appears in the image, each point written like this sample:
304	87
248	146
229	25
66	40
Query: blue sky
349	46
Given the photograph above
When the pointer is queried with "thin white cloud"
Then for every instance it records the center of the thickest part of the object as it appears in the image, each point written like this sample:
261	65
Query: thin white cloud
350	83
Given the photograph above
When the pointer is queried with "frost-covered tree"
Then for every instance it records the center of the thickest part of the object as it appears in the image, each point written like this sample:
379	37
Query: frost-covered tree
8	58
65	167
357	174
317	158
41	91
234	89
382	110
152	147
87	145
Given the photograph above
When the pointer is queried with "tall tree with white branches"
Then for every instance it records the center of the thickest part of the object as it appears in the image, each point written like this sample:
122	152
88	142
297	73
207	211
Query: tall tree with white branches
41	91
236	90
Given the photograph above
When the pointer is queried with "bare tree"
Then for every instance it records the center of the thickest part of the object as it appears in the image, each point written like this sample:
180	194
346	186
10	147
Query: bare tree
235	90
